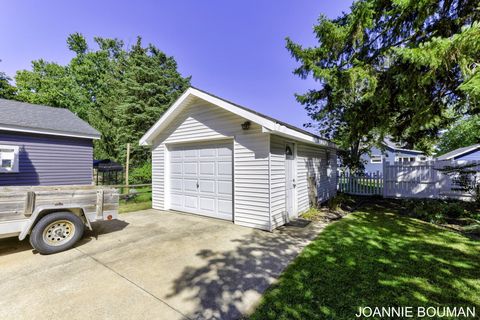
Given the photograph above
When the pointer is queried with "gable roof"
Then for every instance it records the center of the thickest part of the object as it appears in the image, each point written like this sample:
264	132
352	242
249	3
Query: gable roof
269	124
458	152
32	118
395	146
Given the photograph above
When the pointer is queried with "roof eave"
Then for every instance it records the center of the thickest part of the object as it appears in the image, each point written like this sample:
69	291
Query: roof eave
50	132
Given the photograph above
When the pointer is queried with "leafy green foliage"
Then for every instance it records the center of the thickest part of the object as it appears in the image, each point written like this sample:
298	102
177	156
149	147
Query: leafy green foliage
463	134
439	211
7	91
401	68
142	174
119	91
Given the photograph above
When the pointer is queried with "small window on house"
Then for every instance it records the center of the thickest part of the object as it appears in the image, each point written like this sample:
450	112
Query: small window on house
288	152
423	158
376	159
8	159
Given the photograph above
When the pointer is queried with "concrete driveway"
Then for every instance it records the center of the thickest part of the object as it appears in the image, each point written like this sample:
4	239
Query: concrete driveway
150	264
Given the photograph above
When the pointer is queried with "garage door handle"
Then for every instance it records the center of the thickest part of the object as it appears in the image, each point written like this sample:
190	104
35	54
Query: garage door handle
197	184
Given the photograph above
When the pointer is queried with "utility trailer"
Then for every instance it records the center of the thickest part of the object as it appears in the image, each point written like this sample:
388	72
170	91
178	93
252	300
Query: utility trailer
54	217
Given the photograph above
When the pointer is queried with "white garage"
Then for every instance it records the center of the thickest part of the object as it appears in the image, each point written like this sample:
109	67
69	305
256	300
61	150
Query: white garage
215	158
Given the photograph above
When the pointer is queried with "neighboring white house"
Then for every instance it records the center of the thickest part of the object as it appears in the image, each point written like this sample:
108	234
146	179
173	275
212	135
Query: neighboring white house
215	158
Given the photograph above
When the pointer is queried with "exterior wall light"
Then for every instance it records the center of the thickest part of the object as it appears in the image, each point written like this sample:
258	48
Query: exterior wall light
246	125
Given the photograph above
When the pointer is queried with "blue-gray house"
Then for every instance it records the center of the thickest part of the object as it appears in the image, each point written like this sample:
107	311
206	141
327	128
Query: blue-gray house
390	152
41	145
466	153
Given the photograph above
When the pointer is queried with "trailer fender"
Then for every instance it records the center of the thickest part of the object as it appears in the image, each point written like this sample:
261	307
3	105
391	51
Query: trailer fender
39	210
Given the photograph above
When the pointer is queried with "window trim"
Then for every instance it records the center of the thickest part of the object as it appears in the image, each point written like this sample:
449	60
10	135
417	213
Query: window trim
15	167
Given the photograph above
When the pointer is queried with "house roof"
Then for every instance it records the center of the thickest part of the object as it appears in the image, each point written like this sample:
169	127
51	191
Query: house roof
269	124
32	118
458	152
393	145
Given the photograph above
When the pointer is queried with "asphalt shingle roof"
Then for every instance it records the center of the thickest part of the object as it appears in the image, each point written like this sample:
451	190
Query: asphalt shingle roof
458	152
21	115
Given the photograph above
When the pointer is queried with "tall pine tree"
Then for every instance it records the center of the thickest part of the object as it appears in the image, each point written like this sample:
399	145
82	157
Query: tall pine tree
151	83
401	68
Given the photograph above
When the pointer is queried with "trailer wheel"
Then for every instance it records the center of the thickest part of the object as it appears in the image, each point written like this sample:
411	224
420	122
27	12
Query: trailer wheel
56	232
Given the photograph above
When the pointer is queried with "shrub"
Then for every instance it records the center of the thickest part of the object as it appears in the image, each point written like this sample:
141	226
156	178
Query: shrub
142	174
454	210
438	211
336	202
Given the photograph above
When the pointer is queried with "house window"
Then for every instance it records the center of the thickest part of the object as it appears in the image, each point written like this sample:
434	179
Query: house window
422	158
405	159
289	152
8	159
376	159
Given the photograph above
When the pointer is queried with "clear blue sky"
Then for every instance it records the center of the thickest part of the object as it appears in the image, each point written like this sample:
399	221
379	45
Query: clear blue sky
234	49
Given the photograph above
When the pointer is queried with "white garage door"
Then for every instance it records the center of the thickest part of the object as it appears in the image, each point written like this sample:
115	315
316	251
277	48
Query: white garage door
201	179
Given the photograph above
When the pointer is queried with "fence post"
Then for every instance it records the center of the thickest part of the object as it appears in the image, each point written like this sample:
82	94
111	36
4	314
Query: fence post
385	177
127	168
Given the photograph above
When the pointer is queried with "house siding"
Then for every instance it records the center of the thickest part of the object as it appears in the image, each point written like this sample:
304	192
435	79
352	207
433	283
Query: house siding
49	160
389	155
205	122
311	162
277	180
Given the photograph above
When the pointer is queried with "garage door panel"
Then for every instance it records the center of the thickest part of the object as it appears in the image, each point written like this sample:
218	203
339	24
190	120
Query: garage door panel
207	186
191	201
176	184
201	179
176	201
224	207
176	168
190	185
190	168
224	151
224	188
190	153
224	168
176	154
207	168
207	204
208	152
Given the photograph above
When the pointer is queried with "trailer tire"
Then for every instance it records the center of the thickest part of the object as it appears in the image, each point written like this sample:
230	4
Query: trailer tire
57	231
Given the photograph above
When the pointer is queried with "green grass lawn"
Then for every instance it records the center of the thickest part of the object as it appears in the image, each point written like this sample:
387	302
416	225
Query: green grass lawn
142	201
376	258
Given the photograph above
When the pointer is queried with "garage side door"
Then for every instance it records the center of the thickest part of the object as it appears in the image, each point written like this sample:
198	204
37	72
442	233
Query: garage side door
201	179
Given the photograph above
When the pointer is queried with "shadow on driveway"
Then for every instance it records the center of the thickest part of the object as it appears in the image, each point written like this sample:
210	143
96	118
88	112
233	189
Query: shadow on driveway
13	245
231	282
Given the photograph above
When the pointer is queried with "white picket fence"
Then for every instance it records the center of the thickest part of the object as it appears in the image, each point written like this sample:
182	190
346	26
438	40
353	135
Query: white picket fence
408	180
367	184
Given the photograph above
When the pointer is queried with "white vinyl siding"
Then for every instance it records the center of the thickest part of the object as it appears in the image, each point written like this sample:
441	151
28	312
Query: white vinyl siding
277	178
204	122
312	163
251	186
158	177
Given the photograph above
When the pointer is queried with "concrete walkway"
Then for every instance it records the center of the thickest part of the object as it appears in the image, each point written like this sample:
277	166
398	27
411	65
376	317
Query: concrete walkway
151	264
